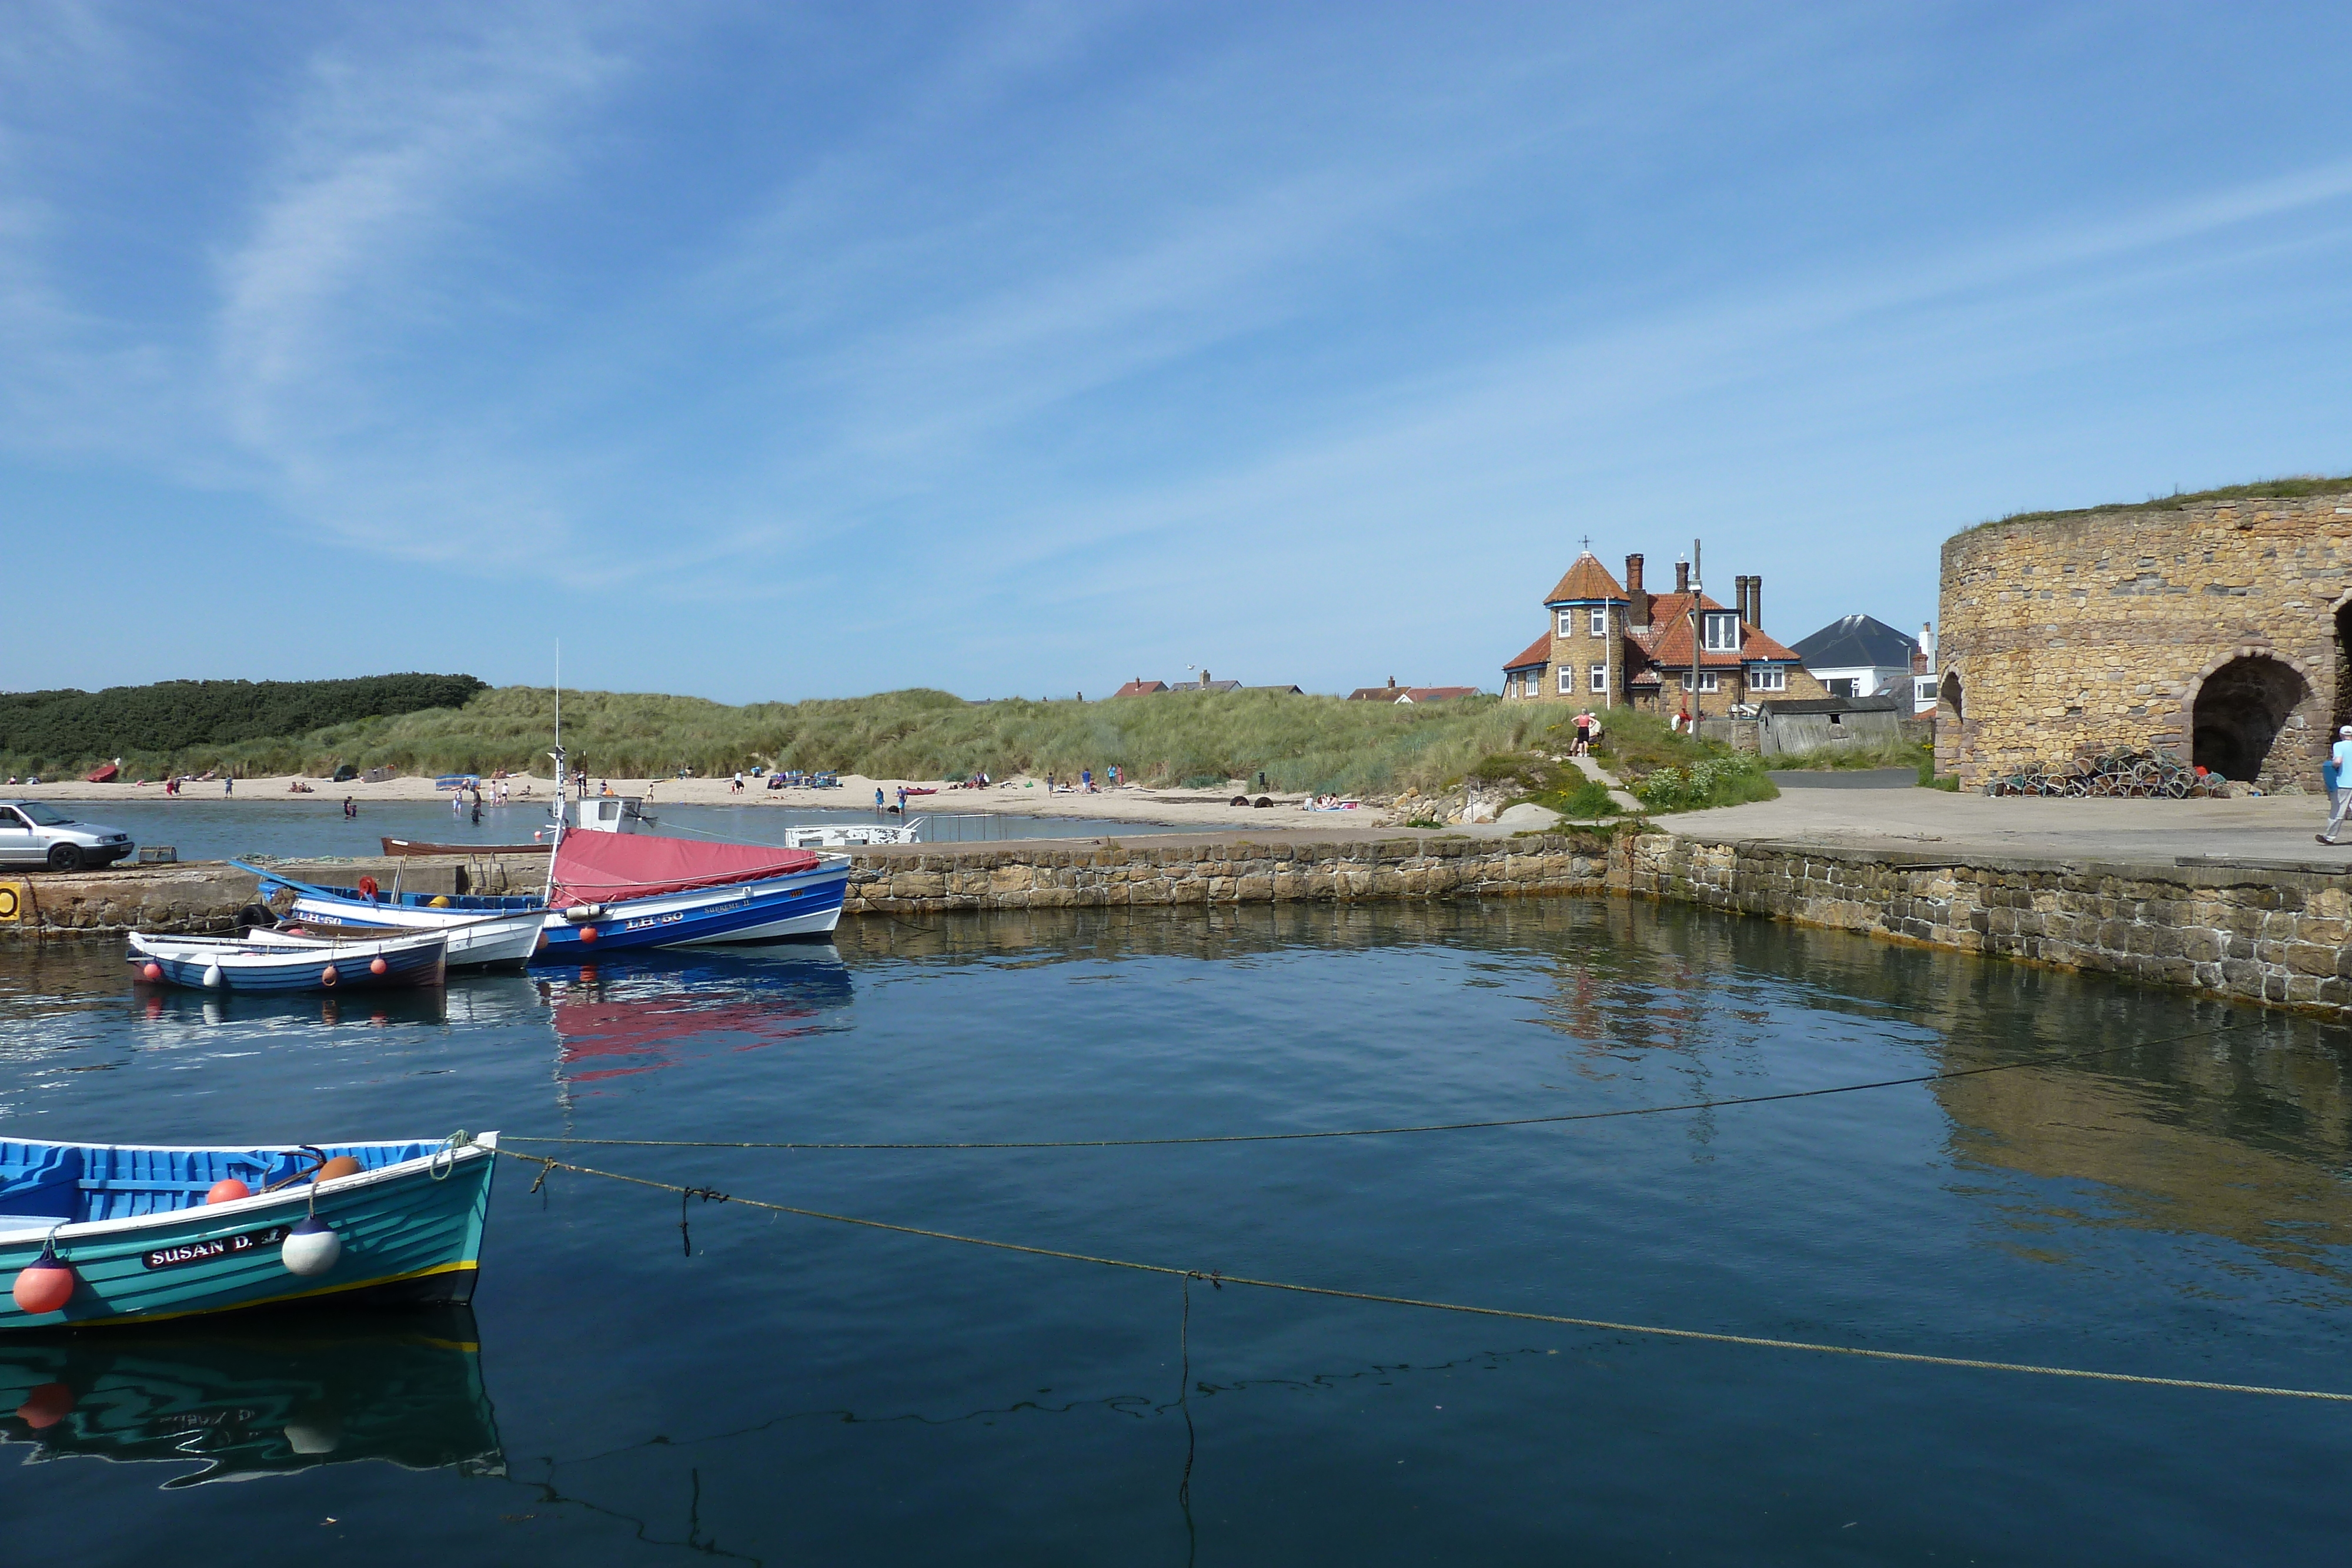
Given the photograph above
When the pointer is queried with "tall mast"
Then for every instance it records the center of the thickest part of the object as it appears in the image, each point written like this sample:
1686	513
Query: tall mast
558	754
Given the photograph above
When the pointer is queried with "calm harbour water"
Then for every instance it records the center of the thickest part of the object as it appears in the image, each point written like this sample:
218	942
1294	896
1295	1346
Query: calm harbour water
213	829
795	1390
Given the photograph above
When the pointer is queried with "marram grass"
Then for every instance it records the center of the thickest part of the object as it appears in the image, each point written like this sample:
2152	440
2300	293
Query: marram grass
1301	743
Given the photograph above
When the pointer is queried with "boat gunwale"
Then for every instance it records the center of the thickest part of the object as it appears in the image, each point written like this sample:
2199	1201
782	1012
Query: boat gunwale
484	1145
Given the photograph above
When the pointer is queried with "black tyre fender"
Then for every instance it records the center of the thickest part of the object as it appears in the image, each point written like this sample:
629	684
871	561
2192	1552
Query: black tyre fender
65	857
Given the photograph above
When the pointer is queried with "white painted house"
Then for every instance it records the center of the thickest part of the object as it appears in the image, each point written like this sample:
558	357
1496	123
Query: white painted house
1860	656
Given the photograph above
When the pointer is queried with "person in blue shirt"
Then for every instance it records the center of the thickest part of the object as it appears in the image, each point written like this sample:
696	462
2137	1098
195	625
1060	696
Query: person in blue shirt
2339	757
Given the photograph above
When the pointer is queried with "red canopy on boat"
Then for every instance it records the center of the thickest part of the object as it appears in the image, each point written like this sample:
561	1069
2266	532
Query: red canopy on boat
104	773
595	868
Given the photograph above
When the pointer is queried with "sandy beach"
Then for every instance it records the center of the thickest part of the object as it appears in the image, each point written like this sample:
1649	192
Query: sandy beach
1023	796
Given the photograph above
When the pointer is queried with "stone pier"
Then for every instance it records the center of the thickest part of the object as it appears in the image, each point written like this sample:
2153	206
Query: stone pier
2276	936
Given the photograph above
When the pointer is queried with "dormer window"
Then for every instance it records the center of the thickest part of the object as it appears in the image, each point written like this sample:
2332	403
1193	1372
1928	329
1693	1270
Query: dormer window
1722	632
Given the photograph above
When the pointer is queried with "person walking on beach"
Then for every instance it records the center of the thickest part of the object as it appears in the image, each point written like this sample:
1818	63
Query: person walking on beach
228	786
878	797
2340	757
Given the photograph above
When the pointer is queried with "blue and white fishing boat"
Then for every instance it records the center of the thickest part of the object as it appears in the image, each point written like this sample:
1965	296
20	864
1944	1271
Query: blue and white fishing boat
610	890
113	1233
236	963
483	932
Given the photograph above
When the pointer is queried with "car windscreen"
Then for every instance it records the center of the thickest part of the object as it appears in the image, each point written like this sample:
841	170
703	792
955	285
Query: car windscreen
43	816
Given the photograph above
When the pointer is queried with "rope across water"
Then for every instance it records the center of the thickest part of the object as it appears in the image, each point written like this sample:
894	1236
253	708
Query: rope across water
548	1165
1389	1131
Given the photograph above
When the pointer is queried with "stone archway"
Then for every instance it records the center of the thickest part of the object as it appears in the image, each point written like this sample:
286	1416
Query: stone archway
2238	711
1948	696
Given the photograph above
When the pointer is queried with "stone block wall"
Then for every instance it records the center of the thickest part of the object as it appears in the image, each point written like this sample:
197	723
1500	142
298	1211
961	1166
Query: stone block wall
2101	629
2274	937
1035	876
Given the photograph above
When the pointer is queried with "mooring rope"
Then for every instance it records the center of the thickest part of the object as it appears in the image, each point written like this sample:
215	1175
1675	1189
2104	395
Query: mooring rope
1423	1127
1216	1278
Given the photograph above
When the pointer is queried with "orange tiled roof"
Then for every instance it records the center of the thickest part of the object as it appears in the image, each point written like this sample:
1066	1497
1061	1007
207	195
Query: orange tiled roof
1588	578
1536	652
1668	640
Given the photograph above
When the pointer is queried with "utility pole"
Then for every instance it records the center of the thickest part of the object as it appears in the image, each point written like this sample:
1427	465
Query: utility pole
1699	626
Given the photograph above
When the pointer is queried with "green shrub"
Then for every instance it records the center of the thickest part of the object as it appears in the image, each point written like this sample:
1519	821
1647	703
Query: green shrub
1588	800
1726	780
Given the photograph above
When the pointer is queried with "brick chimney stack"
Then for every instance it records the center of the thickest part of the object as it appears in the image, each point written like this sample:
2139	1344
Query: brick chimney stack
1681	577
1739	597
1754	616
1637	612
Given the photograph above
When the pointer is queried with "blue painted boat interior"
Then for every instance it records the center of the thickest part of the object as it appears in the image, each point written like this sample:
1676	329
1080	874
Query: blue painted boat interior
44	1183
473	902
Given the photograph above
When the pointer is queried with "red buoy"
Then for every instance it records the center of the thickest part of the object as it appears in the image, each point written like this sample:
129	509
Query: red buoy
327	975
151	972
45	1284
341	1165
46	1405
227	1190
587	934
378	967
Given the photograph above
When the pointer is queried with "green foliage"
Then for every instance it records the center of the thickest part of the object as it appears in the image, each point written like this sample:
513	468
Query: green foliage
1725	780
1589	800
1633	744
67	731
1301	743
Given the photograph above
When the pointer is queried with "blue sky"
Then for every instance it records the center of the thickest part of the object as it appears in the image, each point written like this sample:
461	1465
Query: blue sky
763	351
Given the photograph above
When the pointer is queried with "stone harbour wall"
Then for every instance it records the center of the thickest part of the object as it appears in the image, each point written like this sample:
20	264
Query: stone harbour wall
2271	936
1040	875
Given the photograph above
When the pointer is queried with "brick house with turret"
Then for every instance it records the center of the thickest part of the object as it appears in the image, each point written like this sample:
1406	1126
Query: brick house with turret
1606	643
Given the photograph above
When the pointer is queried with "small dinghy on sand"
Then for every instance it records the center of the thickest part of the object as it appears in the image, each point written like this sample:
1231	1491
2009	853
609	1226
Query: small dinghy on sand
237	964
105	1233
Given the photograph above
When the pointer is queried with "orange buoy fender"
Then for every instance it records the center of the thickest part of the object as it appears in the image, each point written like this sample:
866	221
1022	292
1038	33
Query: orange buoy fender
327	977
152	971
378	967
45	1284
46	1406
341	1165
227	1190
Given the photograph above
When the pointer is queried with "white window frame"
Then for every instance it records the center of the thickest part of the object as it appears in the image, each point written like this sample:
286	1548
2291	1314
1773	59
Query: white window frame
1567	681
1597	622
1709	680
1567	622
1768	678
1599	678
1722	631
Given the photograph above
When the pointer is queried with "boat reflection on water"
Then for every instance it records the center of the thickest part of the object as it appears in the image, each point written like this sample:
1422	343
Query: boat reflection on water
270	1394
196	1009
644	1014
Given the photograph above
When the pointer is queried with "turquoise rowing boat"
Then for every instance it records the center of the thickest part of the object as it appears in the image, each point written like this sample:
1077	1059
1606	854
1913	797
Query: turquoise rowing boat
133	1225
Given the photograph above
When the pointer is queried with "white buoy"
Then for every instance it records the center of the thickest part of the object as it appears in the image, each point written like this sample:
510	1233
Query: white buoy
212	977
311	1248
